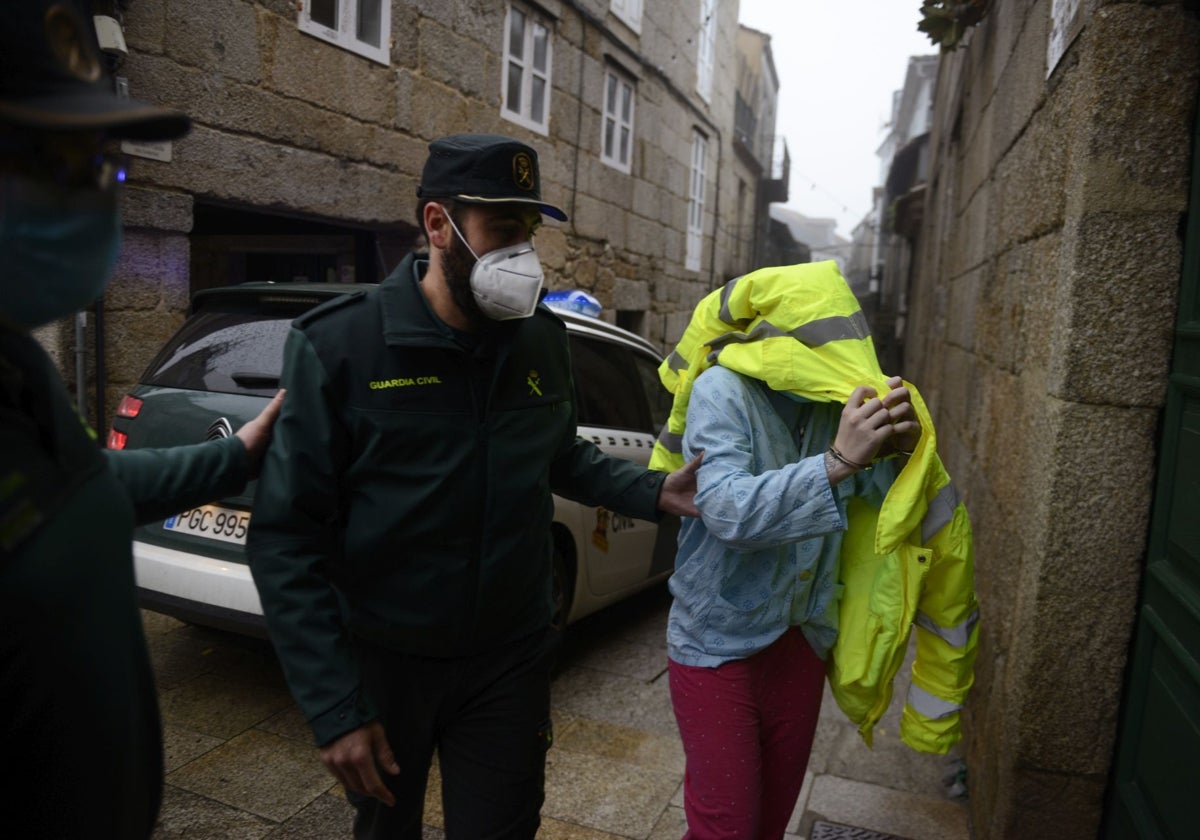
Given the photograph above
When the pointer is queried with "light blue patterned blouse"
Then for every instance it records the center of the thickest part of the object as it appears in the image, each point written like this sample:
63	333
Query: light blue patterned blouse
764	554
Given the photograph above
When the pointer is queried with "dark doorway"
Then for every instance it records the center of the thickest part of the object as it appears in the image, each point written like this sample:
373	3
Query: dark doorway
231	245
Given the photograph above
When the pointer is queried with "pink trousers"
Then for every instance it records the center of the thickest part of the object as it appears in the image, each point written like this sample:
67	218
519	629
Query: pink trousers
747	728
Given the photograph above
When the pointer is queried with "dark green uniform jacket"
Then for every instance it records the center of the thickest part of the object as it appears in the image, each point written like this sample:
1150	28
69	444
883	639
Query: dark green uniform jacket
80	728
406	496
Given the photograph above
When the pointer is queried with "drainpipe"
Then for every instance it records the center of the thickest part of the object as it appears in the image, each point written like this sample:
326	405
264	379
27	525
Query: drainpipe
110	34
712	251
578	115
81	363
101	374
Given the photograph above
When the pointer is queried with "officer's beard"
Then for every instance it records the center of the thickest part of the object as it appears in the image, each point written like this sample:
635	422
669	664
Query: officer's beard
457	263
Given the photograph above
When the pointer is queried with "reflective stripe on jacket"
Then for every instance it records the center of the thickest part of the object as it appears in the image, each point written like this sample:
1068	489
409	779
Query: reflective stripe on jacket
799	328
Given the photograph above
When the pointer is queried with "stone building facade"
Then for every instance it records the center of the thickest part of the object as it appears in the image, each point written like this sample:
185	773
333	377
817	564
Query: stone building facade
1043	312
310	132
899	205
763	155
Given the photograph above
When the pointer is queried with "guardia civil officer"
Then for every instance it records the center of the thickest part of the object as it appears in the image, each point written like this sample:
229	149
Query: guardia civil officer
401	534
79	726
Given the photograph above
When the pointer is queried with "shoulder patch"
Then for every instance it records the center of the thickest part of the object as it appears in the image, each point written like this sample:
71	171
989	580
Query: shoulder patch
332	305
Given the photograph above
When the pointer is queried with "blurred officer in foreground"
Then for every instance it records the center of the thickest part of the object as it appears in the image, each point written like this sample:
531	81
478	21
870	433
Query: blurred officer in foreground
79	726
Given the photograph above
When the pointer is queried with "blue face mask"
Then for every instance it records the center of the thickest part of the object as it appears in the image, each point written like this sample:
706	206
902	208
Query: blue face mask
57	250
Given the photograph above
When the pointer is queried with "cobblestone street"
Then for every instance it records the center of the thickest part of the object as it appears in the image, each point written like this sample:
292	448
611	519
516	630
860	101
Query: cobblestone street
240	764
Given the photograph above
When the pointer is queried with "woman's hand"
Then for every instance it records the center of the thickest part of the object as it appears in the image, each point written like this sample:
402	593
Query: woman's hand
906	429
866	423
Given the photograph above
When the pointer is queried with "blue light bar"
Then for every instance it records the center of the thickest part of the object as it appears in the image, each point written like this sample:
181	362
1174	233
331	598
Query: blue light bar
573	300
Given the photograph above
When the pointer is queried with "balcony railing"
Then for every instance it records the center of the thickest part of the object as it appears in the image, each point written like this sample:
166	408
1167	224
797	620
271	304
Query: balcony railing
745	125
775	189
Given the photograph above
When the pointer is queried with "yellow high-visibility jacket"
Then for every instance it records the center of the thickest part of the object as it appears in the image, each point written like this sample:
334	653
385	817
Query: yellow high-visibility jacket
799	328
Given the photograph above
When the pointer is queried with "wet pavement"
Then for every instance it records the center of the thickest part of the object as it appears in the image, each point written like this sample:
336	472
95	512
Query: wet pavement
241	766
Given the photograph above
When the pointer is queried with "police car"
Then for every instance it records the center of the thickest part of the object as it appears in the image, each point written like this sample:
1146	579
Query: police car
223	365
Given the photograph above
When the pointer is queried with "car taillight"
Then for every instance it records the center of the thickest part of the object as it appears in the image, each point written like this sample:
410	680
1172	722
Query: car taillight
129	406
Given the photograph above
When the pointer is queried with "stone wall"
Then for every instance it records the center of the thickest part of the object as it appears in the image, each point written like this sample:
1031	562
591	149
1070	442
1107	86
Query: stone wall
286	123
1042	315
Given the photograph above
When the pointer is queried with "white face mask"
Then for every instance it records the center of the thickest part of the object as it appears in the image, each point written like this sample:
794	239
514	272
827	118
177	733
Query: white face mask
505	282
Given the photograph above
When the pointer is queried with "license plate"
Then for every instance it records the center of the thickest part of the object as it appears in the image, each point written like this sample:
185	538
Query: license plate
212	521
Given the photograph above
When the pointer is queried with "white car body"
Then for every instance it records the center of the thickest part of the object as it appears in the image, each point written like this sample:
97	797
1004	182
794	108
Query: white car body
602	556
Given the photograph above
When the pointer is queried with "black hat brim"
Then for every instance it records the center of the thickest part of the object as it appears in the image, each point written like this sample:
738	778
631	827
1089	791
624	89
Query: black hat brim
548	209
85	111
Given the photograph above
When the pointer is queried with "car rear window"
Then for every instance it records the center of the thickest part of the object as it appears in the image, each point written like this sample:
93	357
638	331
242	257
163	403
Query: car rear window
226	351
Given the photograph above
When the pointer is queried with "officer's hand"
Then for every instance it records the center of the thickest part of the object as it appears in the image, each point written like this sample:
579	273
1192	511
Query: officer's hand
678	492
355	759
906	429
256	434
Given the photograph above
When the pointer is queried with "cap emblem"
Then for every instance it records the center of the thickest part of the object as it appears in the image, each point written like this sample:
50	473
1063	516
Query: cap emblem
523	171
70	45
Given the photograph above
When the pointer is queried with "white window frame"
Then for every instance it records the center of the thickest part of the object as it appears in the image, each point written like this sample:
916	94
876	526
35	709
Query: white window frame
523	114
617	84
695	221
345	35
706	42
628	12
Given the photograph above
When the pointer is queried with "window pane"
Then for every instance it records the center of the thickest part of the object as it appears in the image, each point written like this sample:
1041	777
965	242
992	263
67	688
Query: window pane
232	352
537	100
658	397
628	10
704	56
514	87
324	12
608	136
516	34
624	145
541	45
626	102
610	95
369	21
611	393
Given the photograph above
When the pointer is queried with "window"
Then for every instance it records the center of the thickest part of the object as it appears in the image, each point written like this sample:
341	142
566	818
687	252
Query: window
526	89
630	12
361	26
695	226
633	320
608	386
706	43
616	141
658	397
230	351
